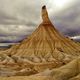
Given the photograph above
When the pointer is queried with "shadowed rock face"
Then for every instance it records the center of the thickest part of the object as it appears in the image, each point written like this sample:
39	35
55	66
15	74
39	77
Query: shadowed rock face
46	48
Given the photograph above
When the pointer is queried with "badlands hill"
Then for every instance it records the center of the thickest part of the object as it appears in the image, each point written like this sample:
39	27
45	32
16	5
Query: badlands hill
44	50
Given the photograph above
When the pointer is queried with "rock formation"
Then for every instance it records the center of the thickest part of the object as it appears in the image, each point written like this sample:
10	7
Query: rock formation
46	44
45	49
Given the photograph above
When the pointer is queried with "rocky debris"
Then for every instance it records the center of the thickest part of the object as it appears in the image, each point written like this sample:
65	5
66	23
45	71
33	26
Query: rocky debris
70	71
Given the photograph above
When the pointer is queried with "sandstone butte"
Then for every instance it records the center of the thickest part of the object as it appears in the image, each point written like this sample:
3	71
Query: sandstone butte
46	48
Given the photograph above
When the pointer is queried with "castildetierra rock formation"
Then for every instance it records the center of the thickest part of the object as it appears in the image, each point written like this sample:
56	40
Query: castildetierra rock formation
46	44
46	48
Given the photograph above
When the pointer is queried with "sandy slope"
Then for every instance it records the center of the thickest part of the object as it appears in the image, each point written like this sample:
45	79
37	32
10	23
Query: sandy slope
26	78
71	71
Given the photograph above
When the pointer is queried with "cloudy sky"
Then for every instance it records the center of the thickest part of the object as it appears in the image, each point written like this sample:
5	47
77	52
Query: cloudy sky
19	18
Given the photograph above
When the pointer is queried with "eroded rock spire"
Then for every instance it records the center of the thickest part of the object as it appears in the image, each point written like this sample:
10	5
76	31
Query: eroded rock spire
45	17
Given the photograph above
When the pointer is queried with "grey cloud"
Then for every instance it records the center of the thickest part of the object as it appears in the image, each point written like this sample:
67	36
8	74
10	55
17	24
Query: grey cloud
20	11
10	38
18	17
16	29
68	21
